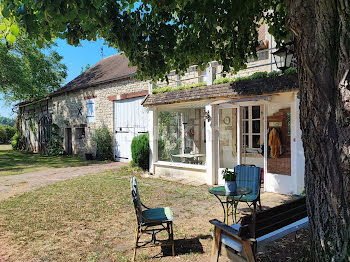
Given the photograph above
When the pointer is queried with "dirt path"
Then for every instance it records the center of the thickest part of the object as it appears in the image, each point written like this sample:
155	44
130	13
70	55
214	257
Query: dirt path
18	184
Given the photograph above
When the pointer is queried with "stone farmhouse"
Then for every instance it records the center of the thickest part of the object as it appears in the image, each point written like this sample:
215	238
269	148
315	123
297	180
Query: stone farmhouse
87	103
194	132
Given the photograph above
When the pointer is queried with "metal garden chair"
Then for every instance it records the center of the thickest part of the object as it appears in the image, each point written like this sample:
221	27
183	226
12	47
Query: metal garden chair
249	176
151	221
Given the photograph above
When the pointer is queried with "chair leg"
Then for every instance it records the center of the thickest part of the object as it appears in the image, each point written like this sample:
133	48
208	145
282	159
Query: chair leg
248	251
172	239
260	208
136	243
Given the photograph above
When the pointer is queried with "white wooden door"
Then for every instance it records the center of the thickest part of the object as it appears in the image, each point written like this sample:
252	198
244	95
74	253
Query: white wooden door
130	120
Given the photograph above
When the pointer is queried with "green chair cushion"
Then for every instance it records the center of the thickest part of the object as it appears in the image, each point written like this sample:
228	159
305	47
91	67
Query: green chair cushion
249	198
158	214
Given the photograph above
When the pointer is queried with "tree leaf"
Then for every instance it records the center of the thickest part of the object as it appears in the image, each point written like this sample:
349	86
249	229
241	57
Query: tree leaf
10	38
2	27
14	29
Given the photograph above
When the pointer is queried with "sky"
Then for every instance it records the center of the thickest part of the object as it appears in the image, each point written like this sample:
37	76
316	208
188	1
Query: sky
74	58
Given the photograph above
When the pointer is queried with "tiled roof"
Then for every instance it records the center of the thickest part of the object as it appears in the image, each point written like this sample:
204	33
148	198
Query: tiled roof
108	69
244	88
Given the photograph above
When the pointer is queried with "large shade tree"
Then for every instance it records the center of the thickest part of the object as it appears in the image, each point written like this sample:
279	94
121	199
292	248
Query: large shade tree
159	35
28	72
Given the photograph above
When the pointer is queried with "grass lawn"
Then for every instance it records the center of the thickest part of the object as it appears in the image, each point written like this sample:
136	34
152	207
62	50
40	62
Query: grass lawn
91	218
18	162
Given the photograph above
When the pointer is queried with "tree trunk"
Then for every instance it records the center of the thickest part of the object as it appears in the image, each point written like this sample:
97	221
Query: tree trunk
322	33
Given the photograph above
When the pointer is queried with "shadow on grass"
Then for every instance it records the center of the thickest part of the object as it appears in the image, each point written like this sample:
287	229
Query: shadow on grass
185	246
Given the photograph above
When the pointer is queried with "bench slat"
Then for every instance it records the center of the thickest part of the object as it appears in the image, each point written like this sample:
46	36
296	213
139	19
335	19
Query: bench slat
279	224
270	219
277	234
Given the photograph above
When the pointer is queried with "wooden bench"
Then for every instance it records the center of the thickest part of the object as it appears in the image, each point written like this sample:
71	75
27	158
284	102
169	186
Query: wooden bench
256	230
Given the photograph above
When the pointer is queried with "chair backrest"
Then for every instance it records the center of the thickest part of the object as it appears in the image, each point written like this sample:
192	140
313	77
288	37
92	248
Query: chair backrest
273	219
249	176
136	199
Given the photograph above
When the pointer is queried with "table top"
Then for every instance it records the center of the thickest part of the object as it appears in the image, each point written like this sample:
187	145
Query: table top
220	191
189	155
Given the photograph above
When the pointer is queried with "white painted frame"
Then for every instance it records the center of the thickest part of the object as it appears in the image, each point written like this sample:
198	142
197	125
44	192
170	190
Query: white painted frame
229	106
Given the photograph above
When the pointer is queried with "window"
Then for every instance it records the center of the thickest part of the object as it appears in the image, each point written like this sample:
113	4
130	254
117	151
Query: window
80	132
90	111
181	135
251	129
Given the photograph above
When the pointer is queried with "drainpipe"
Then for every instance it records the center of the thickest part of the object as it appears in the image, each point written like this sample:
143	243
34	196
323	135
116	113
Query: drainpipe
150	87
210	72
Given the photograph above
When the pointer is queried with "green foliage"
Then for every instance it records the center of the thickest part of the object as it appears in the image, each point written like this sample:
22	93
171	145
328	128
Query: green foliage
274	73
3	136
9	29
55	144
256	75
229	175
7	121
27	72
6	133
103	140
140	151
168	88
155	36
290	70
15	141
84	69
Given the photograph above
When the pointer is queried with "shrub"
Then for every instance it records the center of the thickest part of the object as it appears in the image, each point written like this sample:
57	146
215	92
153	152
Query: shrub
6	133
10	132
3	135
140	151
55	144
15	141
274	73
103	140
258	75
291	70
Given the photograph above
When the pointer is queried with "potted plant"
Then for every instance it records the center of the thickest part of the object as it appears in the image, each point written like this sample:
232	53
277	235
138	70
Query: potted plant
230	180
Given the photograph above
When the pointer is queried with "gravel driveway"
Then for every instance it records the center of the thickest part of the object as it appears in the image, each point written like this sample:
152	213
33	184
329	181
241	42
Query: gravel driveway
18	184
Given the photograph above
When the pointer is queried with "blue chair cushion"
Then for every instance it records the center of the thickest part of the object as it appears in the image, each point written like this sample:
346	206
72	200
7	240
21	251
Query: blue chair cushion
158	214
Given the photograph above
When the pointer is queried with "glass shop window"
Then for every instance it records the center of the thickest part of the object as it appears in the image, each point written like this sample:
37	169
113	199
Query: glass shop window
181	135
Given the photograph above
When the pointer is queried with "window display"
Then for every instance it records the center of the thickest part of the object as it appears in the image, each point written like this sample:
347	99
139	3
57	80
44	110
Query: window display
181	135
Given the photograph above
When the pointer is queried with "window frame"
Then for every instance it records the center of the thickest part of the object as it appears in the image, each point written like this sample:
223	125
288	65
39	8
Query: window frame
92	117
250	120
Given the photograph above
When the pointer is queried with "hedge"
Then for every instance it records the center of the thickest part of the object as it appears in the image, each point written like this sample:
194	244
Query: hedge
140	151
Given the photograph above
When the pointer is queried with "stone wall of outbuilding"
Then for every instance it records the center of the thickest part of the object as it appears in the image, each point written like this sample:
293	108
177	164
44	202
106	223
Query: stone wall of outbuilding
70	109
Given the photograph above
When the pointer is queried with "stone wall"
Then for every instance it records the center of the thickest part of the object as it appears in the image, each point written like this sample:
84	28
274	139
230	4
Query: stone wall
70	109
193	75
30	116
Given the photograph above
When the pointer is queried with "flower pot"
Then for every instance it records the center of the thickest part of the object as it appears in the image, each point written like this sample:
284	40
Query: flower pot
231	186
